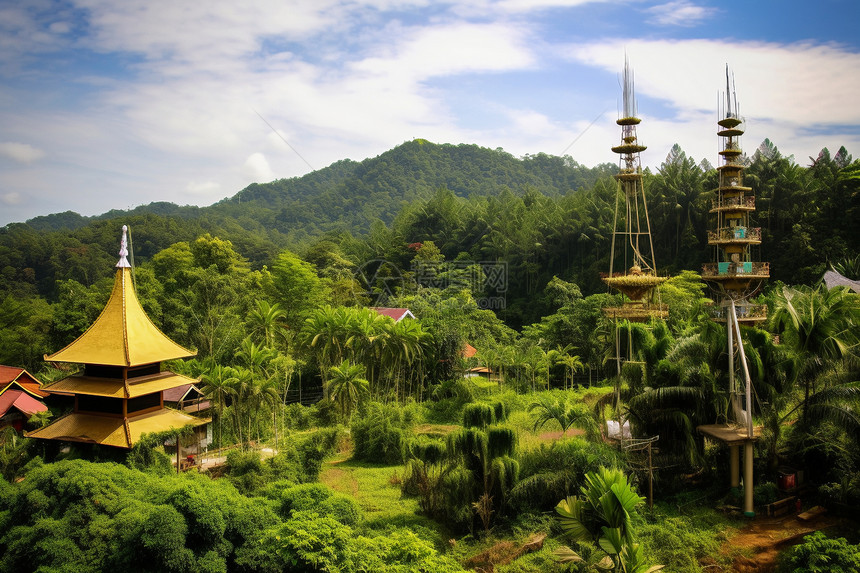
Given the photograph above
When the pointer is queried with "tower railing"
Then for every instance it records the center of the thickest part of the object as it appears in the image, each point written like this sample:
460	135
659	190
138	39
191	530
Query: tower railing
731	270
735	234
747	202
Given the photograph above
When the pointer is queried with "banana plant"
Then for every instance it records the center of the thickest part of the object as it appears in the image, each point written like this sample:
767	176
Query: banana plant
601	516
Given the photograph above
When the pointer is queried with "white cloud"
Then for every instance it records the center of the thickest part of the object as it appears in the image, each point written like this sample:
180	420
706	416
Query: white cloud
256	168
21	152
203	32
11	198
452	49
519	6
784	91
679	13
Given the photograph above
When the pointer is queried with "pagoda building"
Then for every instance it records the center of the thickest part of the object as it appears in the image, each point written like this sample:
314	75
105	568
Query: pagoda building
632	269
119	395
735	277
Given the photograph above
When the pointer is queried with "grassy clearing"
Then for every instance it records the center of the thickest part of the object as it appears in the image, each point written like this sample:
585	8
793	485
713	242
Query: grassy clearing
376	488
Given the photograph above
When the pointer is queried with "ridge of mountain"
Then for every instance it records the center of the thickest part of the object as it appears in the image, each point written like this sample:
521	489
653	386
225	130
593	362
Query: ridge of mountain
351	195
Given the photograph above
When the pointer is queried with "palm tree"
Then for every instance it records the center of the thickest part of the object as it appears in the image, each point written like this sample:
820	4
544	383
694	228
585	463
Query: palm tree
323	336
268	320
572	363
689	388
404	345
565	414
241	388
820	326
548	359
255	356
347	386
218	386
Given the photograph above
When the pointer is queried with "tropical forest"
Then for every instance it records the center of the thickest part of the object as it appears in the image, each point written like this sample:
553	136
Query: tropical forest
411	363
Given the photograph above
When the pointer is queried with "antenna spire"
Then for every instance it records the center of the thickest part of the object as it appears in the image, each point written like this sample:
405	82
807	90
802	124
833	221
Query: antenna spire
123	251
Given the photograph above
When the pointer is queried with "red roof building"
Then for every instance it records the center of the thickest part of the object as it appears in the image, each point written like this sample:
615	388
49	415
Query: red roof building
20	395
397	314
11	376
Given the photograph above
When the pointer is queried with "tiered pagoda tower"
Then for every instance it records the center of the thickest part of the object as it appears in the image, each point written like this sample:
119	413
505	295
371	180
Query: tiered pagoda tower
733	272
119	395
736	277
632	270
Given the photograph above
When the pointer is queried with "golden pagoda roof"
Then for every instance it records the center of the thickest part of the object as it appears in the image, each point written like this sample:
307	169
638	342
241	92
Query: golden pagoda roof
115	387
122	335
113	431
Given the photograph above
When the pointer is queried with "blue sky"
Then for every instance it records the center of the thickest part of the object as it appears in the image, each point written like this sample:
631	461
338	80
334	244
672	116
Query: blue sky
115	103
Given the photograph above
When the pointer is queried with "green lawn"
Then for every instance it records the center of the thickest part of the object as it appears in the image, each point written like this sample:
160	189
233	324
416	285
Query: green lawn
376	488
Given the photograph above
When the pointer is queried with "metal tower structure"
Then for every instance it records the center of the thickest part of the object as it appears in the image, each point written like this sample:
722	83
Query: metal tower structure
632	269
735	277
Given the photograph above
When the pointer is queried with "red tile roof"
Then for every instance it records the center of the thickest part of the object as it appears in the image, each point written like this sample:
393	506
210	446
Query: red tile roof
469	351
397	314
12	377
177	393
21	401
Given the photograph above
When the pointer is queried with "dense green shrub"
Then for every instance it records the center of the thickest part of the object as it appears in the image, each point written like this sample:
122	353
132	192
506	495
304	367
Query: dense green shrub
679	541
343	508
821	554
296	461
466	479
302	497
313	542
325	413
245	470
80	516
378	435
315	448
478	415
424	448
553	471
448	400
310	542
846	492
148	455
765	493
298	417
481	415
313	497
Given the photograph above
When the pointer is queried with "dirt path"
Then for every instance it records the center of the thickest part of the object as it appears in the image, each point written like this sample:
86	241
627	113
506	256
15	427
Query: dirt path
756	547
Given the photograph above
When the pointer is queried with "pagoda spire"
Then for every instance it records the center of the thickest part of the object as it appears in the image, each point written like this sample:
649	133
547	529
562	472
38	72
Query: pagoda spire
123	334
123	250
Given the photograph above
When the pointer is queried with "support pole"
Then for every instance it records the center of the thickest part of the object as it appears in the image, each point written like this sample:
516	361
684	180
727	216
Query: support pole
650	479
748	479
748	389
734	466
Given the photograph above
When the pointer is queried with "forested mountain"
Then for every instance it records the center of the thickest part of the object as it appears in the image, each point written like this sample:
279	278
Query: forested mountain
351	195
541	215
